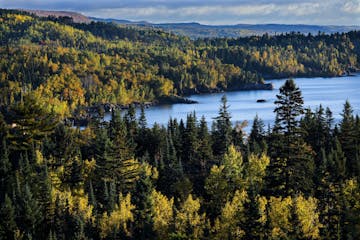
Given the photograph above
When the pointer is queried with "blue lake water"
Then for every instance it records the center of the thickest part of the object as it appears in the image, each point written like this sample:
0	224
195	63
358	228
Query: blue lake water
330	92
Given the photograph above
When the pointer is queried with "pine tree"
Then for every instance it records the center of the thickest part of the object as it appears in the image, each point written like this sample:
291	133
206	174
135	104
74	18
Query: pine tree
275	172
44	197
170	172
205	156
29	216
131	126
31	121
348	141
295	155
142	119
114	157
252	226
8	226
141	138
5	170
222	129
59	219
76	177
190	146
130	120
256	137
142	200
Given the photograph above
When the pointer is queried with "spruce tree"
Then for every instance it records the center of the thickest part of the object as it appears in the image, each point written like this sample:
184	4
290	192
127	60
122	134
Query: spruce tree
7	219
5	170
205	156
256	137
222	128
141	198
349	142
30	214
190	146
295	156
142	134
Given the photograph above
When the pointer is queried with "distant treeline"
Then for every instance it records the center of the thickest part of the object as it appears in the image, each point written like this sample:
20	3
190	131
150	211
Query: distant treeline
71	65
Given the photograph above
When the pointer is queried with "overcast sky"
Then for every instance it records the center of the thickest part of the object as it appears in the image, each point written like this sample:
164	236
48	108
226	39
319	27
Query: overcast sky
322	12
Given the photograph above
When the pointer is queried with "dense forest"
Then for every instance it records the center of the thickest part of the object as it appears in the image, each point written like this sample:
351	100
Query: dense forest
73	65
123	180
297	179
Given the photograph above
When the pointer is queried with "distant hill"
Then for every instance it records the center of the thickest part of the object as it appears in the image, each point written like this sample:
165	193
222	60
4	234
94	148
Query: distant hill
196	30
77	17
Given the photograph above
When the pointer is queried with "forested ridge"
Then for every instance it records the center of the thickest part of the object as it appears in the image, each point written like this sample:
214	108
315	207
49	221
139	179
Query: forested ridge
73	65
297	179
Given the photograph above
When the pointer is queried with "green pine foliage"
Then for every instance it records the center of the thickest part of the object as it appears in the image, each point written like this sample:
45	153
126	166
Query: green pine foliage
122	179
125	180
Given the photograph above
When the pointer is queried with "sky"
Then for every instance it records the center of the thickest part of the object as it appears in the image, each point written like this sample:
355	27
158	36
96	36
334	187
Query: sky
212	12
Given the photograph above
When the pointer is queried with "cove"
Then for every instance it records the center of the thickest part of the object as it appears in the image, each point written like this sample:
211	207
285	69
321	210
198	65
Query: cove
243	105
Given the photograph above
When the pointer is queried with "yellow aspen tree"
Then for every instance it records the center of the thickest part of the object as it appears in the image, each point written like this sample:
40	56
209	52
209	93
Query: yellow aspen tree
188	221
118	221
229	224
280	217
162	211
308	217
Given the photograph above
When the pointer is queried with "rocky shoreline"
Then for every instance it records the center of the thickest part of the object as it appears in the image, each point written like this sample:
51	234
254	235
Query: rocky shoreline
98	111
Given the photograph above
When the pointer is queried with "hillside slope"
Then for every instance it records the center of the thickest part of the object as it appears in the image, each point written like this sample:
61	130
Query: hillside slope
71	65
77	17
196	30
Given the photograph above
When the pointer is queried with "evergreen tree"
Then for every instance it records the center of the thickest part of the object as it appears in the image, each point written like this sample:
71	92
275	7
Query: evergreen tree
5	170
349	142
29	212
171	173
190	147
141	138
256	137
59	220
8	226
142	119
44	197
131	126
31	121
252	226
205	156
76	177
295	155
221	131
141	198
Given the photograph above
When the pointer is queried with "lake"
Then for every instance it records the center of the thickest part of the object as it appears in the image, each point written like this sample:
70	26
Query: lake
330	92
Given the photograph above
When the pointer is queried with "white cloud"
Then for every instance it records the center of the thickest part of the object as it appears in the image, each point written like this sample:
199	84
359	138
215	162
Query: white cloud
351	6
337	12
